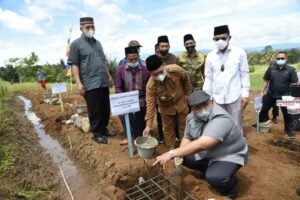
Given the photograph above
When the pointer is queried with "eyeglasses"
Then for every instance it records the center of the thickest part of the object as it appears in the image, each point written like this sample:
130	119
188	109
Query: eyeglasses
220	38
280	58
90	27
222	68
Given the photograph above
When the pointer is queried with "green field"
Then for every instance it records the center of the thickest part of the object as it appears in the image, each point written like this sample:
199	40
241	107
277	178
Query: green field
256	77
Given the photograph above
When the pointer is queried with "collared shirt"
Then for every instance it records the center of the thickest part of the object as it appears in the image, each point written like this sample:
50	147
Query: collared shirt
227	86
280	80
170	95
130	79
88	55
194	66
232	146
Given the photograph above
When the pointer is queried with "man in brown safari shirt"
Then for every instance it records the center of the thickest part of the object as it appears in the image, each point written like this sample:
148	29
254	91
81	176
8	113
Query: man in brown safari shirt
168	86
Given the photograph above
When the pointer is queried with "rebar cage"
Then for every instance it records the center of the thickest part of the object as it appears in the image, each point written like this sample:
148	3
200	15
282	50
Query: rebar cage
157	188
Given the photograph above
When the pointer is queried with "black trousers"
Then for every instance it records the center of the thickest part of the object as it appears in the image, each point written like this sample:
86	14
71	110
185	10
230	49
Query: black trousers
98	107
137	123
268	103
219	174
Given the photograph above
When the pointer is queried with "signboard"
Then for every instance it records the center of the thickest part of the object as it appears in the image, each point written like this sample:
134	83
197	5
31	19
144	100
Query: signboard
258	103
59	88
123	103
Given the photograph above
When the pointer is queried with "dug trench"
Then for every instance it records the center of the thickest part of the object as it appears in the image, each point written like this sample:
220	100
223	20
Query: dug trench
271	173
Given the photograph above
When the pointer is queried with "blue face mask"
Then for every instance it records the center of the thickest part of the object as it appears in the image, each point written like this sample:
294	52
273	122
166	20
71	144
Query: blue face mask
133	65
280	62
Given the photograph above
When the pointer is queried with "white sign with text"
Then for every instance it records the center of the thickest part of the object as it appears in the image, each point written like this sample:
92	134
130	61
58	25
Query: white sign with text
58	88
123	103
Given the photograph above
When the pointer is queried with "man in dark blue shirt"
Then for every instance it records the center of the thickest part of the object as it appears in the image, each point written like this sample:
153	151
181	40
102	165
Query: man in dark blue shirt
279	77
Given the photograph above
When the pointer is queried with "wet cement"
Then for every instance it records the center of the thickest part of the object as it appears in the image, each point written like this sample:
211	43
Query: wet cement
75	179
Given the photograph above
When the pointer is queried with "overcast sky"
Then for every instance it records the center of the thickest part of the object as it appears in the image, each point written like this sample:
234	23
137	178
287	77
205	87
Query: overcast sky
43	26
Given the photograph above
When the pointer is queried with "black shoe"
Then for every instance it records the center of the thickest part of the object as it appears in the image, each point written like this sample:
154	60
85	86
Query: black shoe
161	140
275	120
100	139
109	133
253	125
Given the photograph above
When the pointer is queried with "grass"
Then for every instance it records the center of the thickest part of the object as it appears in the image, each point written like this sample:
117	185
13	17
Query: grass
256	78
7	158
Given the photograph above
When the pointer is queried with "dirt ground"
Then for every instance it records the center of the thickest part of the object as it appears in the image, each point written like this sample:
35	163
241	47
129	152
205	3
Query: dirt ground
271	173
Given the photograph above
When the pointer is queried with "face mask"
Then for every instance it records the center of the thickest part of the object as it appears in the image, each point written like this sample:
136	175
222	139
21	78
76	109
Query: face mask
89	33
164	53
190	49
161	77
133	65
280	62
221	44
203	114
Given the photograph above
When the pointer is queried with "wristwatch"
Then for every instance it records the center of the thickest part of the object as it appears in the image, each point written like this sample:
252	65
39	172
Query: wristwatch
172	154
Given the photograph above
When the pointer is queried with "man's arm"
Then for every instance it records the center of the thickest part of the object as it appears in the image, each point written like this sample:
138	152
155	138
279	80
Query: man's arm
186	82
118	84
150	105
244	73
203	143
264	87
80	86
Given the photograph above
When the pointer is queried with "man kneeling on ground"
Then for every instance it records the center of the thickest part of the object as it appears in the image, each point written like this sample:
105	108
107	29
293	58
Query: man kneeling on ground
213	143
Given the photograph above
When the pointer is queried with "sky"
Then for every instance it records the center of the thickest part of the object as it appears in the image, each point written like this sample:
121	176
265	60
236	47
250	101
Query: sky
42	26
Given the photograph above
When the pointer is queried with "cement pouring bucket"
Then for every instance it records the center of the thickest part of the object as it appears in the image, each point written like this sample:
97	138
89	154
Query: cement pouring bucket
264	128
145	146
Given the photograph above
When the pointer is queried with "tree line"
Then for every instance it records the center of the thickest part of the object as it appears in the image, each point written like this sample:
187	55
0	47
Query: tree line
18	70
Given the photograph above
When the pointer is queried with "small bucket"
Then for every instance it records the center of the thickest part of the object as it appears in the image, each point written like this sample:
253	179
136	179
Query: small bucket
145	146
264	128
81	109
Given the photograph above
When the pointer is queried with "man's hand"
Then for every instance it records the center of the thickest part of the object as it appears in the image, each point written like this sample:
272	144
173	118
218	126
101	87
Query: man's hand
244	102
162	159
147	131
261	94
80	88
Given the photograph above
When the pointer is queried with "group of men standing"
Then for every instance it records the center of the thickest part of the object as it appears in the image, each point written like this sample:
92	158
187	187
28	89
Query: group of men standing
215	90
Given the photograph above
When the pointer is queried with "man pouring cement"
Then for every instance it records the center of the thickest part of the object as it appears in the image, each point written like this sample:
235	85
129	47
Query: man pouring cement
213	144
168	86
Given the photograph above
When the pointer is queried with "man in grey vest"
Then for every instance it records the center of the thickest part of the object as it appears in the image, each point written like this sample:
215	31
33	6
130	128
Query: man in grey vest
89	68
213	144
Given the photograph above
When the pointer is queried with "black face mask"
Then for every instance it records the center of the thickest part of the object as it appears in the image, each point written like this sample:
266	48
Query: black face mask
164	53
190	49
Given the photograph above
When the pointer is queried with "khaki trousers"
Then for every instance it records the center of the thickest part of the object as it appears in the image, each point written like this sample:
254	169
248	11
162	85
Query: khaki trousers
168	122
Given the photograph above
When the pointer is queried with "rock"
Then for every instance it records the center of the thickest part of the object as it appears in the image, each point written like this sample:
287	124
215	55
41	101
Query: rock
109	164
67	122
85	124
196	188
111	189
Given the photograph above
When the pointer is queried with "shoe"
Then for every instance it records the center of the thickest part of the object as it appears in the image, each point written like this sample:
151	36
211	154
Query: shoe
253	125
100	139
275	120
109	133
161	140
124	142
289	137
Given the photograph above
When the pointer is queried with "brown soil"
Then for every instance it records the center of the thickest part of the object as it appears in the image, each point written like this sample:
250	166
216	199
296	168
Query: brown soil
271	173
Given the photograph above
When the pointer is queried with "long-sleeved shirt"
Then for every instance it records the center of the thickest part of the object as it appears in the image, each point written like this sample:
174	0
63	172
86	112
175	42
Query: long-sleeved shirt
233	82
130	79
170	95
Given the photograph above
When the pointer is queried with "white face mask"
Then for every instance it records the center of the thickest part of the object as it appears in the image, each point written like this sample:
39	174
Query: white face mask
161	77
221	44
133	65
203	114
89	33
